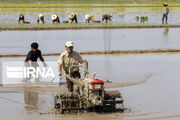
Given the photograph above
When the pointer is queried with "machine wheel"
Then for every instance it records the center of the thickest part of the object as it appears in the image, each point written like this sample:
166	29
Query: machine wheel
68	102
113	101
58	104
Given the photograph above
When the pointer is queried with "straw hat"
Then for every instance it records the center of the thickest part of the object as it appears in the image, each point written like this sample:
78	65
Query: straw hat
87	17
54	17
41	15
165	4
72	15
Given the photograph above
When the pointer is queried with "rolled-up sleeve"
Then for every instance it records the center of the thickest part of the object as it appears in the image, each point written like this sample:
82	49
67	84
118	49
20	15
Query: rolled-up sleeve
60	59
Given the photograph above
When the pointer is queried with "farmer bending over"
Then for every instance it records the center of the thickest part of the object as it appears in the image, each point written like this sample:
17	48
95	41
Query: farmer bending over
73	17
55	19
21	18
89	18
106	17
40	18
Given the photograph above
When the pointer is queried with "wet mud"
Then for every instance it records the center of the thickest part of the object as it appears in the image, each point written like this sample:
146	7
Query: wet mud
88	27
149	84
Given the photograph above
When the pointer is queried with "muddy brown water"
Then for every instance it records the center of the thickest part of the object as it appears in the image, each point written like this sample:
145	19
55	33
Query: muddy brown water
149	84
90	40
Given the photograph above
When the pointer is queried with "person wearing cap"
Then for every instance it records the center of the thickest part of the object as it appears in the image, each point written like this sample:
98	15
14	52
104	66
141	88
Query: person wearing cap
165	13
106	17
40	18
55	18
68	61
32	57
73	17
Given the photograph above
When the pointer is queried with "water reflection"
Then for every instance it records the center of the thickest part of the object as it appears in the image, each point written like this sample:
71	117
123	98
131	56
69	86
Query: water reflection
90	40
165	31
107	40
31	99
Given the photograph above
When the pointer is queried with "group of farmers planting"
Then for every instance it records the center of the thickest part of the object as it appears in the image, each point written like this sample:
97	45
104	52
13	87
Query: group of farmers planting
89	18
72	17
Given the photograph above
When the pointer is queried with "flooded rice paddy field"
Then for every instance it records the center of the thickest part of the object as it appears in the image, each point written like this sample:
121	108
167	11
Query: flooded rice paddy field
18	42
153	18
156	98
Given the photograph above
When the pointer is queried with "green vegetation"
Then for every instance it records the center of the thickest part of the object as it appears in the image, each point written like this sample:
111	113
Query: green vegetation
84	3
84	6
76	1
90	9
57	1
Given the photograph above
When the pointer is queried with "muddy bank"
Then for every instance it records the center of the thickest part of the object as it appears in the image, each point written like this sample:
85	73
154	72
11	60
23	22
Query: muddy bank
111	52
88	27
85	6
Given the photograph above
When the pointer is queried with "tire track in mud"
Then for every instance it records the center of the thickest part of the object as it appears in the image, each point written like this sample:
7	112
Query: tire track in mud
127	84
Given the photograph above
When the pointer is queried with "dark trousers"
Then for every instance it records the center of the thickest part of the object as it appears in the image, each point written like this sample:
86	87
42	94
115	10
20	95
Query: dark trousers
70	84
40	19
164	18
57	20
74	19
